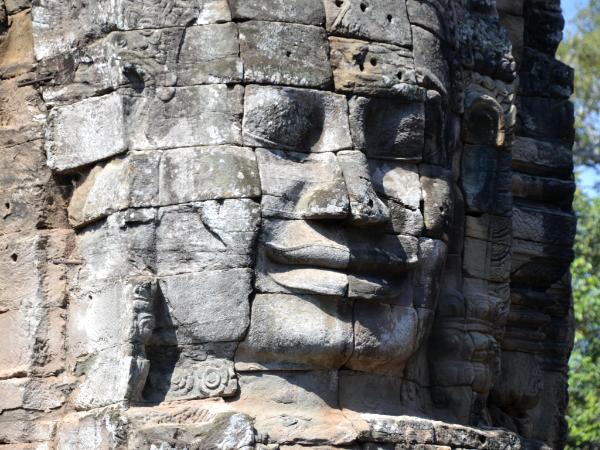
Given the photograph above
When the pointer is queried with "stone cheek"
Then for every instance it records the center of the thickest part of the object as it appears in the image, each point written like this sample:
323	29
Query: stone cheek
186	175
186	116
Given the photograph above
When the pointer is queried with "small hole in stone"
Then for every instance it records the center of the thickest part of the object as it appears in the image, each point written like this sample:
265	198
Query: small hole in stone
361	67
288	53
399	75
373	62
370	203
90	296
14	257
363	7
339	3
7	205
389	18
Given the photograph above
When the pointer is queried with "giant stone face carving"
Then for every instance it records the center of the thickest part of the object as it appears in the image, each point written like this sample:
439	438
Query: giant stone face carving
290	223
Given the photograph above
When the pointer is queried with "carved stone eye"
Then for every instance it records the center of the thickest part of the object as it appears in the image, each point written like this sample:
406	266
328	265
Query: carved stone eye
484	122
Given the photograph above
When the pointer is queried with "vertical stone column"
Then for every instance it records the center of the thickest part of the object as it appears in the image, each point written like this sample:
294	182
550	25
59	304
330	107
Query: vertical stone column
35	246
539	329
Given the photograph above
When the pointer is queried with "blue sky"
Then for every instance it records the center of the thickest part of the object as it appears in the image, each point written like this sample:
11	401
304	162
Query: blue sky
587	177
570	8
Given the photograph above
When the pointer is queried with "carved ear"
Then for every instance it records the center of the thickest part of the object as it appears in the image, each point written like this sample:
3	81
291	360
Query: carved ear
484	122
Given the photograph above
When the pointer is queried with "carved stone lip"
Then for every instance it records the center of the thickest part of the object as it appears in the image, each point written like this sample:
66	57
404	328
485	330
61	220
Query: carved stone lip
365	258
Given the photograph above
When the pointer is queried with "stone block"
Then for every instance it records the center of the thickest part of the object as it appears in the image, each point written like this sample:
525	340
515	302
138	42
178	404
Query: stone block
486	180
13	6
146	61
210	306
539	265
111	378
365	206
32	343
381	253
542	75
284	54
388	128
404	220
115	186
295	407
295	119
31	206
209	54
196	174
514	7
366	68
438	202
86	132
145	179
370	393
187	116
543	189
430	58
303	243
515	28
27	162
189	373
375	21
300	186
17	46
487	260
546	119
431	15
540	157
36	261
131	14
397	181
22	119
32	394
438	122
276	278
59	27
297	332
429	273
216	235
106	319
543	28
491	228
206	424
397	290
385	337
544	225
89	430
307	12
120	247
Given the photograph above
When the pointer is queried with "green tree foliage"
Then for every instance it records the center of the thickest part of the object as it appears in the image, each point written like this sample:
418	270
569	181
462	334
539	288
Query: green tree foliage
584	382
581	50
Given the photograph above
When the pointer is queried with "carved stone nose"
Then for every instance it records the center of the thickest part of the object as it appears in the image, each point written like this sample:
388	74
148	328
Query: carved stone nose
366	208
